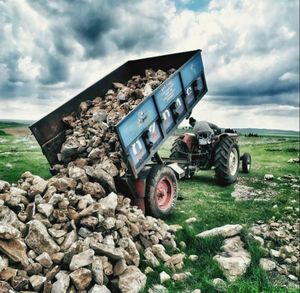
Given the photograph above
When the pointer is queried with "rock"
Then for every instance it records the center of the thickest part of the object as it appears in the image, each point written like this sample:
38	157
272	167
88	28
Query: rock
163	277
37	282
150	257
62	283
19	283
4	186
158	289
7	274
3	263
132	280
8	232
193	257
120	267
97	270
159	251
196	291
8	217
235	260
109	204
179	277
191	220
104	178
220	285
225	231
109	251
39	240
268	177
148	270
77	173
5	287
45	209
82	259
15	249
99	289
267	264
69	240
100	116
39	186
81	278
45	260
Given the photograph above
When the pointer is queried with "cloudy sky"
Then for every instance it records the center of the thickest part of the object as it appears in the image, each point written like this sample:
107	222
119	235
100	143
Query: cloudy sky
52	50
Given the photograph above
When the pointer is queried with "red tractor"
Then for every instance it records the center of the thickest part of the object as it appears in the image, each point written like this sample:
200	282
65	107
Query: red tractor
210	147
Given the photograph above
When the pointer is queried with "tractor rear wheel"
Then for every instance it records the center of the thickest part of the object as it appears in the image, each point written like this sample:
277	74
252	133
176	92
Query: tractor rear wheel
161	192
179	149
227	158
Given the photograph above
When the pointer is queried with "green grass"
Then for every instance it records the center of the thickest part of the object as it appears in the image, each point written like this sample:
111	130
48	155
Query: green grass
9	124
202	198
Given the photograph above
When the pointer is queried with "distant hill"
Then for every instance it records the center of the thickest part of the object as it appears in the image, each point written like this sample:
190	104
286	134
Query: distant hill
258	131
268	132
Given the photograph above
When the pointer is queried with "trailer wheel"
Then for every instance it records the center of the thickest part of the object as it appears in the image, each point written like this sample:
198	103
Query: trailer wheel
246	163
227	158
161	192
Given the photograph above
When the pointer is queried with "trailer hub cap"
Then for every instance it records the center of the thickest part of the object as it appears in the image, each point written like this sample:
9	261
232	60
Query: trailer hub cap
233	162
164	193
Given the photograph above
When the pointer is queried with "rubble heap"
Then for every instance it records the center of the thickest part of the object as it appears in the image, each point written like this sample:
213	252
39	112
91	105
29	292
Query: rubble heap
73	233
53	237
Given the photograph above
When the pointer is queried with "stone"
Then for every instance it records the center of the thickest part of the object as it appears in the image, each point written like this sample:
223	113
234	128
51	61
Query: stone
39	240
62	283
99	289
159	251
267	264
8	232
81	278
132	280
39	186
5	287
220	285
179	277
132	256
109	251
97	270
71	237
268	177
196	291
164	277
15	249
235	260
45	209
4	186
109	204
120	267
82	259
193	257
7	274
19	283
37	282
158	289
224	231
104	178
45	260
77	173
191	220
151	258
8	217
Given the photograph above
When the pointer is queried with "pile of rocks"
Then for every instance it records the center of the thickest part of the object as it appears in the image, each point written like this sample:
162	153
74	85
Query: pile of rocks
281	242
92	135
69	235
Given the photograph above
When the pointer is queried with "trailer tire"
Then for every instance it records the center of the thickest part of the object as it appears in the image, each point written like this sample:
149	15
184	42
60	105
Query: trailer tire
227	158
246	163
161	192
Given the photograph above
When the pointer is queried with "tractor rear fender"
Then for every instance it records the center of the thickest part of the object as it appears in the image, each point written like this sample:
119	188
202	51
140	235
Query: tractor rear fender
189	140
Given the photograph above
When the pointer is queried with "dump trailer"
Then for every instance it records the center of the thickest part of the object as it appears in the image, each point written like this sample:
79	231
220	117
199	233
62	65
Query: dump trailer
150	182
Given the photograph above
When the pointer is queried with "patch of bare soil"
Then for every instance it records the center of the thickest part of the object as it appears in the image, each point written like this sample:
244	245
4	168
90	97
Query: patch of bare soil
17	131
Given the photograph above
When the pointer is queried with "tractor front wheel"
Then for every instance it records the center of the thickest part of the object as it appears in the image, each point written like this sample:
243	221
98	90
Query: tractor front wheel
161	192
227	158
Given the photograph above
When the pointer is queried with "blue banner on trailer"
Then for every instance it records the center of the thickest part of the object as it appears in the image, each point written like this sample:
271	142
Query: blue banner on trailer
146	127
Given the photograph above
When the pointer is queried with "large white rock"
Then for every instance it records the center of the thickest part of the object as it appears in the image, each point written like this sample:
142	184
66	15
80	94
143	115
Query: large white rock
225	231
132	280
267	264
8	232
82	259
235	260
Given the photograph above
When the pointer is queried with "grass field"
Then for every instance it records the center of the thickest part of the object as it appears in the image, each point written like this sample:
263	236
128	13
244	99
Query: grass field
202	198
